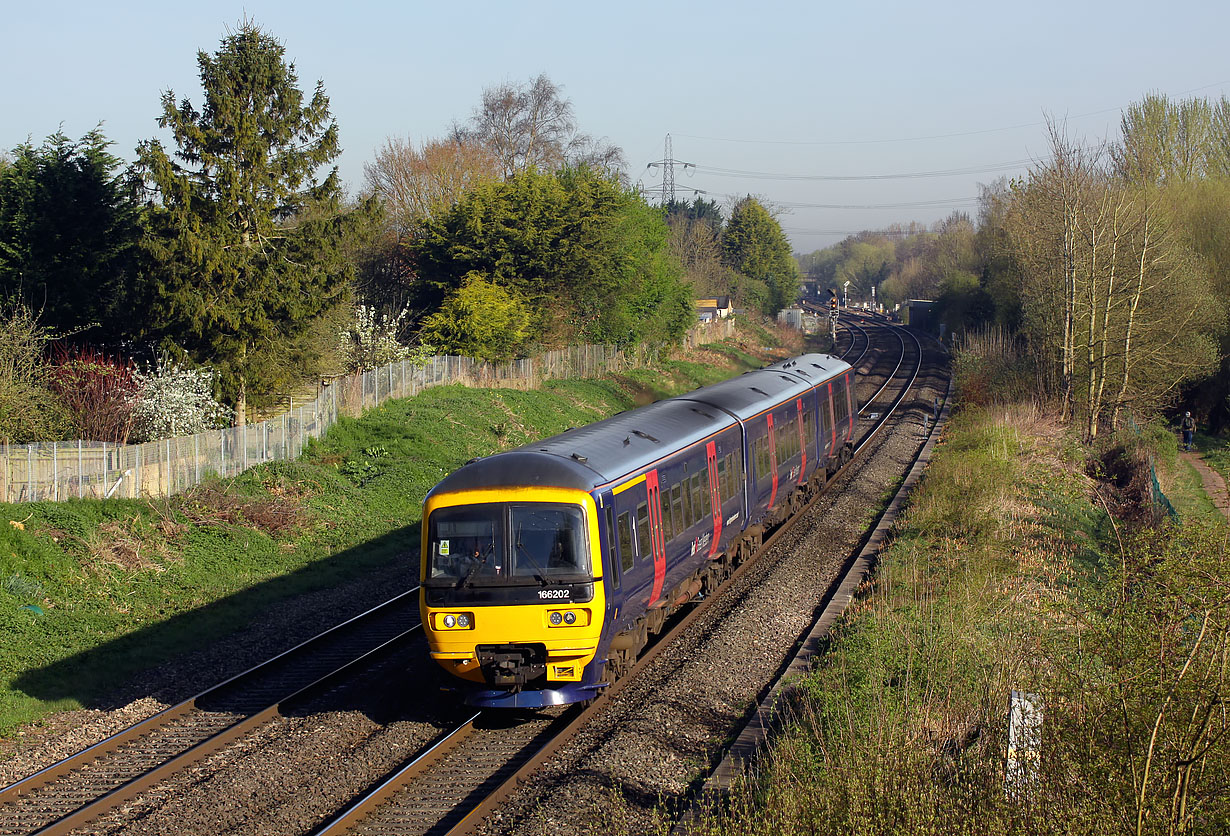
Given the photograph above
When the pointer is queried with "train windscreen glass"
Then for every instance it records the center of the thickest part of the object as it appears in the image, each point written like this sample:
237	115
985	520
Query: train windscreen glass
548	541
470	544
466	541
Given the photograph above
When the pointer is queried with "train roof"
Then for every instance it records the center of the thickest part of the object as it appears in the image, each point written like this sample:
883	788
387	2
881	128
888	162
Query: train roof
593	455
813	367
751	393
586	457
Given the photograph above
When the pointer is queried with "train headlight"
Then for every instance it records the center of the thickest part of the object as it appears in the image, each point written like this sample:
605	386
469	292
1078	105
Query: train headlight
463	620
556	618
450	621
570	618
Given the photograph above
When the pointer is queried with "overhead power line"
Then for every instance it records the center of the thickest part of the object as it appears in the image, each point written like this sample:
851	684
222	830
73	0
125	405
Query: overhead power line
953	135
953	202
909	175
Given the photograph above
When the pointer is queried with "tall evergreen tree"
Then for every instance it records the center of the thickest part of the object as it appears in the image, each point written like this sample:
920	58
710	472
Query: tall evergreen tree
252	245
68	235
754	244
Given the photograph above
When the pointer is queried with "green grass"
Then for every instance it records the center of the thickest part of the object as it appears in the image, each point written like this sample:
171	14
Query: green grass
1008	573
93	592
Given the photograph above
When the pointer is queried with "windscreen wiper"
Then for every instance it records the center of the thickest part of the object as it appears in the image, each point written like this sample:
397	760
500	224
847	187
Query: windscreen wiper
542	579
478	564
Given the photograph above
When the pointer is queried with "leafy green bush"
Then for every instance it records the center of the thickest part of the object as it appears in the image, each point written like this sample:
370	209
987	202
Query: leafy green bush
480	319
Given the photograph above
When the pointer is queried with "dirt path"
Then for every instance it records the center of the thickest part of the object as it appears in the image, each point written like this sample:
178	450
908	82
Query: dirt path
1214	484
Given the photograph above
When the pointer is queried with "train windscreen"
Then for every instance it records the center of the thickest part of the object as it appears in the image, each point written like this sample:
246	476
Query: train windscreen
471	544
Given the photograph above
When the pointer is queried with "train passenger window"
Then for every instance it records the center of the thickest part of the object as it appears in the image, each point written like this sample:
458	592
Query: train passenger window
664	496
809	433
685	492
841	402
723	487
700	501
610	546
643	535
677	520
736	460
625	541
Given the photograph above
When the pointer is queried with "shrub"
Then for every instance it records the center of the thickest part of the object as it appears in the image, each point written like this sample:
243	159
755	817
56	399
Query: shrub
98	391
175	401
29	409
480	319
370	340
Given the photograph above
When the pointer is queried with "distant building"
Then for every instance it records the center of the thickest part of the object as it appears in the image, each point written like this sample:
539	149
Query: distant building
718	307
792	317
920	314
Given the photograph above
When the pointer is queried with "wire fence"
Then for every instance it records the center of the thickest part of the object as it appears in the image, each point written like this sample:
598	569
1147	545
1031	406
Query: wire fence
65	470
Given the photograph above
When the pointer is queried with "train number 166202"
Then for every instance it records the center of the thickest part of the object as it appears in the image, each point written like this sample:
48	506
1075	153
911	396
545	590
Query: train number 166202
554	593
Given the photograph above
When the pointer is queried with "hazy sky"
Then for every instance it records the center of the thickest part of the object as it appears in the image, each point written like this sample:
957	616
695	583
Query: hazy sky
797	90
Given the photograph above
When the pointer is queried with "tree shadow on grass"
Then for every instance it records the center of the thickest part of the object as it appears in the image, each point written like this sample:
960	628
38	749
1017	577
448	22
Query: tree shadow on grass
187	653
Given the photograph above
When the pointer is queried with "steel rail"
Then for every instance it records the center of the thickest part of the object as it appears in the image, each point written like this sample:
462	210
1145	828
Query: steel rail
128	789
349	818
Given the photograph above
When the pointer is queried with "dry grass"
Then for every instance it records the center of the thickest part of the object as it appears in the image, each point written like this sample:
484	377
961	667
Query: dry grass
280	513
131	545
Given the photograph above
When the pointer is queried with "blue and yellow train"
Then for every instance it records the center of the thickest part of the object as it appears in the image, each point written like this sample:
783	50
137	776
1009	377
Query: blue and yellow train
546	568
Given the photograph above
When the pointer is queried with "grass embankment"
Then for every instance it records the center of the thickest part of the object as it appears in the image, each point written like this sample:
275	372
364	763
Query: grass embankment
1009	572
93	592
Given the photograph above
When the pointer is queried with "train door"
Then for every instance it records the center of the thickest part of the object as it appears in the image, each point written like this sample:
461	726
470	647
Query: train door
616	547
800	414
657	540
832	420
715	496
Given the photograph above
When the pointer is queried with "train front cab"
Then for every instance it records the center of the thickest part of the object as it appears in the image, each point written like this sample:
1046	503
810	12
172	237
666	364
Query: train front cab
513	595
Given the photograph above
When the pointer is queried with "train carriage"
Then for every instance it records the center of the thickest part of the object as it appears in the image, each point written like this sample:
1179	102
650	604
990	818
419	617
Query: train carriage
546	568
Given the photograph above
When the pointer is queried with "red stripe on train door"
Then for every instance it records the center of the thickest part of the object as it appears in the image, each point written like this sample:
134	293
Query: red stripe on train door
715	496
656	537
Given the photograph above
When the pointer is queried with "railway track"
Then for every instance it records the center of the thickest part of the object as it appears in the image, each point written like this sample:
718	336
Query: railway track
417	799
80	788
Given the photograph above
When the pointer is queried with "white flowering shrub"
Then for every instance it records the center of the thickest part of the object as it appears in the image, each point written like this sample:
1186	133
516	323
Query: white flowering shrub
173	401
370	341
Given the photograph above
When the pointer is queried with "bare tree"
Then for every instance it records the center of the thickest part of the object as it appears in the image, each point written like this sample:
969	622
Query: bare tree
415	182
1106	284
532	125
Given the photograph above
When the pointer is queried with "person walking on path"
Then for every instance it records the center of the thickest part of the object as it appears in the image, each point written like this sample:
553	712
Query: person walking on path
1188	426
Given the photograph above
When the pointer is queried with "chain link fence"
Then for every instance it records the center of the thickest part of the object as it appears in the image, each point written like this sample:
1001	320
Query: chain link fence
91	469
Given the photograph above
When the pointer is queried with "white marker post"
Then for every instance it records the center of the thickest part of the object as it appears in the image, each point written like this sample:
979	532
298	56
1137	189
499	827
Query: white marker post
1024	745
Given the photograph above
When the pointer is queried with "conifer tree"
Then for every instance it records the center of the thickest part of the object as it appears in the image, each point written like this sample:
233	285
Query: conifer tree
250	243
754	244
68	236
